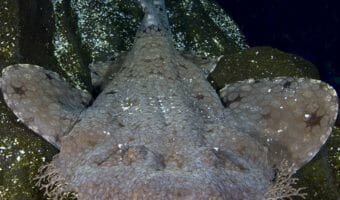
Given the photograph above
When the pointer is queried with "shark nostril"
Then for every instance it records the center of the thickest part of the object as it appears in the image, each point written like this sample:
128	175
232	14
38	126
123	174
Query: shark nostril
204	157
191	160
133	154
144	157
210	157
137	156
174	161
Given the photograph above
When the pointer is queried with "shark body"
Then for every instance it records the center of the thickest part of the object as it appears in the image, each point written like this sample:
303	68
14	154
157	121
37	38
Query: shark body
158	130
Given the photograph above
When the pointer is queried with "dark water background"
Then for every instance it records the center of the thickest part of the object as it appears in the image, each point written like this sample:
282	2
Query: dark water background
308	28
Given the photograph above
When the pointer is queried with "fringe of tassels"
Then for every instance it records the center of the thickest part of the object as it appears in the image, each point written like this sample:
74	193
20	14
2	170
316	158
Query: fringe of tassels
283	187
53	184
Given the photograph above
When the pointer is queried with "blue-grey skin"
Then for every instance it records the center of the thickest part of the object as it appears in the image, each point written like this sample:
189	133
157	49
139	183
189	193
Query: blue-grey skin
158	130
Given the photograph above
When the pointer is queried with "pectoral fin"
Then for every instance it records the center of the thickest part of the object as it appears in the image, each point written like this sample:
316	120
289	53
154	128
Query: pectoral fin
292	116
42	100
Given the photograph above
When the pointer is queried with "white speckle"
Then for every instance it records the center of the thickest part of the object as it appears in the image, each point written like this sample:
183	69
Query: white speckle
18	158
2	148
106	132
269	90
22	151
120	146
216	148
257	53
310	154
272	57
251	80
125	108
280	131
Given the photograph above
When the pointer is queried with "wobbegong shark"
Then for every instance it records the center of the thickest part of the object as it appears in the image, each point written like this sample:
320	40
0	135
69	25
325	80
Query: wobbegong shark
158	129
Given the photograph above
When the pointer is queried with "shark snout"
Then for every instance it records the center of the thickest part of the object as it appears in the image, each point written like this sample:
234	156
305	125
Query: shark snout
137	172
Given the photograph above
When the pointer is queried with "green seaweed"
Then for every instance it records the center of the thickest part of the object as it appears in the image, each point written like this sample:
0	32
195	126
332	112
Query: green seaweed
260	62
9	21
204	36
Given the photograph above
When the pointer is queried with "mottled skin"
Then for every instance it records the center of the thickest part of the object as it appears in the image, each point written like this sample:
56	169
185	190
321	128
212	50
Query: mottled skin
158	130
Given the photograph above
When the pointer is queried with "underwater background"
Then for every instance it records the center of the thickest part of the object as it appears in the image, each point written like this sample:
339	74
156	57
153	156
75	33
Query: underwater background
308	28
66	35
